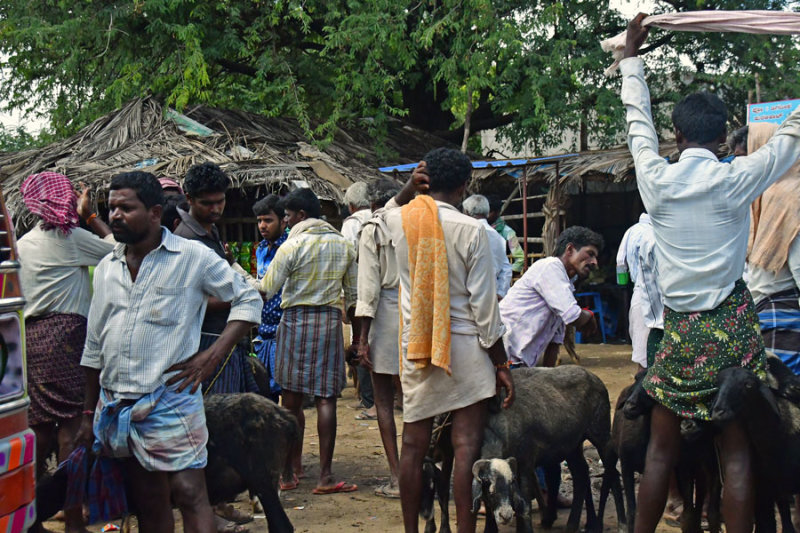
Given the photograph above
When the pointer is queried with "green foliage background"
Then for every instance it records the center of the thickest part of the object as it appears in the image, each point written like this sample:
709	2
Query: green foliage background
534	69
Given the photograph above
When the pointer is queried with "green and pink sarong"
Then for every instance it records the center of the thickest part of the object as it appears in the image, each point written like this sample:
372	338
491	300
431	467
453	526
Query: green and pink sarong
697	346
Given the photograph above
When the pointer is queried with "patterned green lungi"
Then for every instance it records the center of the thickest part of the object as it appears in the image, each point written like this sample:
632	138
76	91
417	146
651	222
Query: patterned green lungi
697	346
653	344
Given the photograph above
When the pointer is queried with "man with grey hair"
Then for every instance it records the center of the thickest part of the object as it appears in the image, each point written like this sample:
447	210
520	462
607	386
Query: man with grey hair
477	206
357	199
358	203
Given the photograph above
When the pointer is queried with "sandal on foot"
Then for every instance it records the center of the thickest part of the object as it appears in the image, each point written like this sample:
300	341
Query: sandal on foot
342	486
366	416
387	491
289	485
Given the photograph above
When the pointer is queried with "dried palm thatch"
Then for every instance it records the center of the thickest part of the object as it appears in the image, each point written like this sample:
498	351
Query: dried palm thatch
615	165
255	151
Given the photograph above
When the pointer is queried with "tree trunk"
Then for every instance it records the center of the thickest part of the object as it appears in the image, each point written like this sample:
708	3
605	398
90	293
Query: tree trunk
467	119
584	139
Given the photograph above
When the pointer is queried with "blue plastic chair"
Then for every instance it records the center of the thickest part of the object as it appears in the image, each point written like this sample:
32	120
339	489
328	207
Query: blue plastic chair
597	309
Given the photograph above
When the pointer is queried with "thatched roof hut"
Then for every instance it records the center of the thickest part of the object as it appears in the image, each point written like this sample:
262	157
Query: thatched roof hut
257	152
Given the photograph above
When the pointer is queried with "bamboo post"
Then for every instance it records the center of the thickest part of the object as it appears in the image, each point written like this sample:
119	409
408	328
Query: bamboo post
558	196
525	216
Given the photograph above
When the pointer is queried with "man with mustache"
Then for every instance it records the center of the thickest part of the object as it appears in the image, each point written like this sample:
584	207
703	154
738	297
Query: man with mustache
143	402
541	304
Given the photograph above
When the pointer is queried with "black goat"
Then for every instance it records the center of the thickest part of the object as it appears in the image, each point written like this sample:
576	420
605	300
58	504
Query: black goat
773	426
555	410
696	471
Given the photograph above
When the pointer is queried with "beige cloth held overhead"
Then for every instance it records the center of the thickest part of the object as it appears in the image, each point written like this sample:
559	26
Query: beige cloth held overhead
762	22
774	216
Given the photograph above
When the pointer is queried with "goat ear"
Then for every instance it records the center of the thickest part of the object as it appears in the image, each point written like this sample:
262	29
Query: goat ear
479	469
768	395
512	464
477	492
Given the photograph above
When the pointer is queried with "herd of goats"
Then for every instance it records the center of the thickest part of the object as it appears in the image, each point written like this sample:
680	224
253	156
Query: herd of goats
555	411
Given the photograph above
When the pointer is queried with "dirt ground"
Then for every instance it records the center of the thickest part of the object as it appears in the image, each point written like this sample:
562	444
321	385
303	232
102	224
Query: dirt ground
359	458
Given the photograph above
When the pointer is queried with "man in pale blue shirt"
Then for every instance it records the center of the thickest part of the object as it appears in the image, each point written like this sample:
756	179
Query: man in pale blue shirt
699	210
143	402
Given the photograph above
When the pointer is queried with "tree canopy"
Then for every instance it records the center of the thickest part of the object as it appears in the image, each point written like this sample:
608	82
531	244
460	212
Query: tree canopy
532	68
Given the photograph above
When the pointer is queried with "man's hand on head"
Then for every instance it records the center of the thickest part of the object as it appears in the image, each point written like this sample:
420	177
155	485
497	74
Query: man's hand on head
636	35
420	179
84	206
418	183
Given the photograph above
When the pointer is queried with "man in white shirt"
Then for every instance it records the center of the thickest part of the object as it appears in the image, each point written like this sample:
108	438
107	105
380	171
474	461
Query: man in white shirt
477	207
699	211
641	318
541	304
143	401
467	363
358	203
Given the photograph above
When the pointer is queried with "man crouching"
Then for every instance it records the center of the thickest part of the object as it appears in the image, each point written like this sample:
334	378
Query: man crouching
143	397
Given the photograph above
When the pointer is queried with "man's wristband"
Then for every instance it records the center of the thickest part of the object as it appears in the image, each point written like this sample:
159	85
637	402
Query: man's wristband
591	313
90	218
505	364
87	412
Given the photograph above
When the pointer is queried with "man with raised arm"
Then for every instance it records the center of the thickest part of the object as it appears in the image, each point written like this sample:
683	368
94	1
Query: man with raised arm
452	348
699	212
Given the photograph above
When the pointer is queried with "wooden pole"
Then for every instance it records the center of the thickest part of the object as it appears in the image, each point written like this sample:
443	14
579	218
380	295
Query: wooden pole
557	196
525	216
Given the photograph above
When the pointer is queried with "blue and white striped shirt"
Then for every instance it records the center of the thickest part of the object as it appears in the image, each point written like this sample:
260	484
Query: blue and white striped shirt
137	330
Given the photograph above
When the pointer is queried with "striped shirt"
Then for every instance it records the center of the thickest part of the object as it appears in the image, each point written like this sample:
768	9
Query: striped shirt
313	266
137	330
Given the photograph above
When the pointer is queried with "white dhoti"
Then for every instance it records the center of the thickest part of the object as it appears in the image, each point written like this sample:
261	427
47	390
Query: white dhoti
429	391
637	328
384	343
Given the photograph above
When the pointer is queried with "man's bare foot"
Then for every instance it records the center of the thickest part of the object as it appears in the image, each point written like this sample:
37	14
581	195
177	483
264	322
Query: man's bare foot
230	513
389	490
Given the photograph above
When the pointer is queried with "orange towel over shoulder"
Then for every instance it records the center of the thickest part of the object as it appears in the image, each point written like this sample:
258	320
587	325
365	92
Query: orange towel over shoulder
429	335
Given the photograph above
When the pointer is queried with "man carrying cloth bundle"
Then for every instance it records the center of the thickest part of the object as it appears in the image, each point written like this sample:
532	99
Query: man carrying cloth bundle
452	348
699	212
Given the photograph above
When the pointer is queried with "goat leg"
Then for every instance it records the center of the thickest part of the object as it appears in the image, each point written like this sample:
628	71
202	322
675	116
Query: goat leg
580	487
629	485
444	493
552	478
521	502
784	510
264	487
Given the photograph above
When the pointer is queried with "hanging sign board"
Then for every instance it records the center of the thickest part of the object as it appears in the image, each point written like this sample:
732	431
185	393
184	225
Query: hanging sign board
774	112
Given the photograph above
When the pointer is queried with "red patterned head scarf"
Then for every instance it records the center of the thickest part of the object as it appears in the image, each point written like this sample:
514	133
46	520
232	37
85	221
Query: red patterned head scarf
50	196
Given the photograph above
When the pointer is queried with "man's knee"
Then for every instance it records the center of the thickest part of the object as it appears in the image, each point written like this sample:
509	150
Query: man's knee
188	489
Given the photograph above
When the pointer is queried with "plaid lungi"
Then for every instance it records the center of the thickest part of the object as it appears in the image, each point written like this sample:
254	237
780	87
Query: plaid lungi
779	316
54	345
309	357
697	346
229	376
164	430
